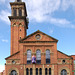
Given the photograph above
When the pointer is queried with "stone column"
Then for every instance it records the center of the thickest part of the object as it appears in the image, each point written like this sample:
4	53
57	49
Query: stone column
23	12
43	70
17	11
12	11
33	69
47	71
24	70
52	70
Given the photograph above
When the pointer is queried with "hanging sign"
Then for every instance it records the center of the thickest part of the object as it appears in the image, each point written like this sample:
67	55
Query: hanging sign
33	59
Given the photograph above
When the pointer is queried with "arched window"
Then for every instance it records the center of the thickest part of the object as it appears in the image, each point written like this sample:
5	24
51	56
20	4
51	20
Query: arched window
63	72
13	72
40	71
36	71
29	56
45	71
14	12
38	56
30	71
49	71
20	12
47	56
27	71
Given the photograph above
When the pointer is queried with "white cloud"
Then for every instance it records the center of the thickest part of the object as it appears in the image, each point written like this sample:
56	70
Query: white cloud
2	1
61	22
3	40
38	10
67	3
51	31
2	67
4	16
42	10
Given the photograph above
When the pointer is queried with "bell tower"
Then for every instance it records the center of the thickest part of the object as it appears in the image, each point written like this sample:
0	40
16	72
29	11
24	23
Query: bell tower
19	24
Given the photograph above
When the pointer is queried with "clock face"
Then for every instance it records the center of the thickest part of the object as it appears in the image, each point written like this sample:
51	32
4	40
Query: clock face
38	37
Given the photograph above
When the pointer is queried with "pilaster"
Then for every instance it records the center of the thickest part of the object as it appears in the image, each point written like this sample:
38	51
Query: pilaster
33	69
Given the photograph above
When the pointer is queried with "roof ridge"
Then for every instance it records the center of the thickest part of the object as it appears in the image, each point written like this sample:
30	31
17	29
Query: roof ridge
12	55
37	32
64	53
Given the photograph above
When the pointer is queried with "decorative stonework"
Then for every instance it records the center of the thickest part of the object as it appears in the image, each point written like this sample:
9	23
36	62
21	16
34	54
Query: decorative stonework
13	68
8	62
67	69
67	61
38	36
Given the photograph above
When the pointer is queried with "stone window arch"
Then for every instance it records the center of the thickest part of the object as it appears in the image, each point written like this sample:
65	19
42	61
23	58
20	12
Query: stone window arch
20	24
47	56
28	56
14	24
13	72
38	56
63	72
64	69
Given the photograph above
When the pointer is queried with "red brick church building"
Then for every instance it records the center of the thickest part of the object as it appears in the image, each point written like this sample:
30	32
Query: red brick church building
35	54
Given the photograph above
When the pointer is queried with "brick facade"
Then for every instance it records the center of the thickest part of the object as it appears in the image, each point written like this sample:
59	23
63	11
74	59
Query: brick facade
20	43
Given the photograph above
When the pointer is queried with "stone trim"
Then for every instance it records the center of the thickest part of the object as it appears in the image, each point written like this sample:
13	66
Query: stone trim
13	68
17	17
67	69
17	3
37	41
55	40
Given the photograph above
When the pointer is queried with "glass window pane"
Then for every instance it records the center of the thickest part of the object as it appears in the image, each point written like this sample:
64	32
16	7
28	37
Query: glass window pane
13	72
38	56
15	12
47	56
28	56
63	72
20	12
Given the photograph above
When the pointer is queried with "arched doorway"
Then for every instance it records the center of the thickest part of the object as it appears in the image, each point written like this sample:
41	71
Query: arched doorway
63	72
13	72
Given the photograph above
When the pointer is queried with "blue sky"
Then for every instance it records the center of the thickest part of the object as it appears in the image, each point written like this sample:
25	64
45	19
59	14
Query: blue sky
53	17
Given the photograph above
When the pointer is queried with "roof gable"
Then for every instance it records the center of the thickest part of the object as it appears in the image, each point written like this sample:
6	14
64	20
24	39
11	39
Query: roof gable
14	56
32	37
63	55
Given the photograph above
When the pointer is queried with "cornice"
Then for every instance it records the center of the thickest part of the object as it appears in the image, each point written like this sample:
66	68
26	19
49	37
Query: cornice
17	17
37	41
